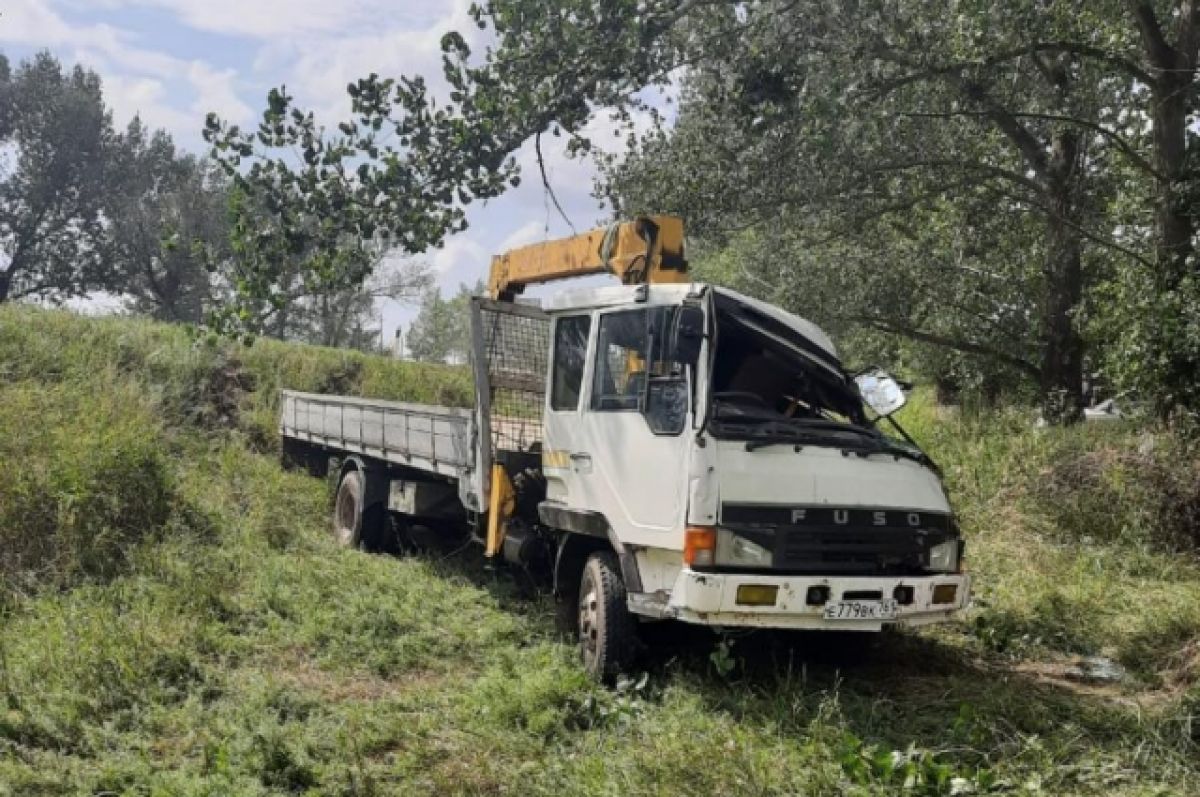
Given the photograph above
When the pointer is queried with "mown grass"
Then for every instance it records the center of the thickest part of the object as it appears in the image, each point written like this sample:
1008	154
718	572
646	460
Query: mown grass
176	620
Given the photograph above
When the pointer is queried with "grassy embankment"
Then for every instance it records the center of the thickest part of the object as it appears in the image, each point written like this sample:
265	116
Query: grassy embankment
176	621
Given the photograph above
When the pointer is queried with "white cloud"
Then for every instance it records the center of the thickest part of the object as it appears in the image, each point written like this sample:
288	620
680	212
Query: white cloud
145	97
215	91
137	80
265	19
460	256
317	67
528	233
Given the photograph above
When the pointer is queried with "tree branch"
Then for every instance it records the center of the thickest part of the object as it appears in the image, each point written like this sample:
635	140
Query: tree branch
1158	51
967	347
985	168
1187	39
1075	48
1118	141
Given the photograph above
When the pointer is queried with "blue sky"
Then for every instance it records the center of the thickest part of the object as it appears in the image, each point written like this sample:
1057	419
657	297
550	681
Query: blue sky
172	61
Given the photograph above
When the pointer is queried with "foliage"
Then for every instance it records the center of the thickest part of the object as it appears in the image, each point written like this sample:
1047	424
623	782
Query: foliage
394	178
347	317
54	135
440	331
166	215
82	482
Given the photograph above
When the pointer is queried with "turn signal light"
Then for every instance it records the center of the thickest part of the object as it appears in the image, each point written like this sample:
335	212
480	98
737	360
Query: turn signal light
945	593
699	545
757	594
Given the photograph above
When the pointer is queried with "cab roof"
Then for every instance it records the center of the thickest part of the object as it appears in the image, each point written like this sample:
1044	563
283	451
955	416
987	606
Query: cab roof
612	295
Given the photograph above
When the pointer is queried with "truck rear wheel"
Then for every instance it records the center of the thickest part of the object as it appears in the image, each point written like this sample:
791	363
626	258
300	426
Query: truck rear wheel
348	510
607	631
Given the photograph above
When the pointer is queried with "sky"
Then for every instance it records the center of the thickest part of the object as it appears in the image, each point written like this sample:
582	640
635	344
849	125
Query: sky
173	61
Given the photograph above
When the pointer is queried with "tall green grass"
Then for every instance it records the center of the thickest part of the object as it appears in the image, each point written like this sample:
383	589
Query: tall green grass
176	621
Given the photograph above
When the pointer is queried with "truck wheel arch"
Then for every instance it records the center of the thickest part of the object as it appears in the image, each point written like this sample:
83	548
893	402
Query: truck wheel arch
584	533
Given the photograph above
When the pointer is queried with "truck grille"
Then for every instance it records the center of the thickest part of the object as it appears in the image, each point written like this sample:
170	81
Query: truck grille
841	541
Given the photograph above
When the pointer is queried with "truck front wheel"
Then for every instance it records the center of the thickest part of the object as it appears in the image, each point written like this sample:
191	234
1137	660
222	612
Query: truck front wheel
607	631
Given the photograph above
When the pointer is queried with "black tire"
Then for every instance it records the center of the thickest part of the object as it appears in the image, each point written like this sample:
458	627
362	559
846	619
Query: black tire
348	510
607	631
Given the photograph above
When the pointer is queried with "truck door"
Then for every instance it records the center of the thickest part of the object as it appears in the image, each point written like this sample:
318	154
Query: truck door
616	442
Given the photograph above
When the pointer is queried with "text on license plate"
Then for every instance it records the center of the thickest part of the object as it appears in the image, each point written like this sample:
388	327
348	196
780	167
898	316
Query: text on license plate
861	610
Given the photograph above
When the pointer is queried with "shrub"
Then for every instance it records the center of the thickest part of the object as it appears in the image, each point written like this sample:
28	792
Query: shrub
1148	494
84	476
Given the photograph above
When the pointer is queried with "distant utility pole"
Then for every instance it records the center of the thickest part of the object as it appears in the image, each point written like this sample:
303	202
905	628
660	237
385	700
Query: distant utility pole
398	344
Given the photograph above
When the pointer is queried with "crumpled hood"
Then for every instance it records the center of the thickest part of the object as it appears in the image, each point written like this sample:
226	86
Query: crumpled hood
818	475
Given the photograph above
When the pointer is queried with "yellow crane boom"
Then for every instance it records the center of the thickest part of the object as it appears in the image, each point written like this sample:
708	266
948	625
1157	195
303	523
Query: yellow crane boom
648	249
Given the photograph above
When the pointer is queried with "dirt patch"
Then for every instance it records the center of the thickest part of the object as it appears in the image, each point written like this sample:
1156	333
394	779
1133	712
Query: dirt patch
1183	668
221	394
1071	674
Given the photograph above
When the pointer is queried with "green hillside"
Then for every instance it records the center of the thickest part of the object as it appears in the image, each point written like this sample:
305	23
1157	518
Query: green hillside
176	620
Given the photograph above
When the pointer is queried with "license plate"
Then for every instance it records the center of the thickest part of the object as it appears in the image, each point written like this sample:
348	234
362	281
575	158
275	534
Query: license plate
861	610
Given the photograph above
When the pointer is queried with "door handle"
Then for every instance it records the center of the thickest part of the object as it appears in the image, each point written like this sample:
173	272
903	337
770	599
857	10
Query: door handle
582	461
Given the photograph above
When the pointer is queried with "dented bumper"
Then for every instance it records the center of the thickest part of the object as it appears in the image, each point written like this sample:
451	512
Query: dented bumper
712	599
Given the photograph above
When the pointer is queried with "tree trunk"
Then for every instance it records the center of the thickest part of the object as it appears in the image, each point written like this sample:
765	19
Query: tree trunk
5	283
1173	249
1169	108
1062	345
1171	361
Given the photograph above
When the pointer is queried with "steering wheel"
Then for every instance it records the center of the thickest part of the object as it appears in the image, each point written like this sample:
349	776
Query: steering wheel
740	395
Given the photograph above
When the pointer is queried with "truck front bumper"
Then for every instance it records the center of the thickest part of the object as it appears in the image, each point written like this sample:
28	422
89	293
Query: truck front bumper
712	599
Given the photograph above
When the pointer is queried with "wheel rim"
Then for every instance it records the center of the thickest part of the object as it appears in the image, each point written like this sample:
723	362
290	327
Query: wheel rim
345	514
589	620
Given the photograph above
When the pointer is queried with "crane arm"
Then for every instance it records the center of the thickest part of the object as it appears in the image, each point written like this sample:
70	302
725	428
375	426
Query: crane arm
648	249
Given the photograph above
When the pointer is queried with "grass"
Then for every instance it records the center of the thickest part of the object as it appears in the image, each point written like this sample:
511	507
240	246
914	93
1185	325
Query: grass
176	620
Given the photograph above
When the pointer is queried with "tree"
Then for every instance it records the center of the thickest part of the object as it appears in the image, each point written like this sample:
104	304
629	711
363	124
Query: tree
166	222
1156	47
874	125
440	332
56	131
347	317
322	209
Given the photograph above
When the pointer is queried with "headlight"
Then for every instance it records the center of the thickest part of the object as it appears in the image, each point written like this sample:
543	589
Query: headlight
943	558
736	551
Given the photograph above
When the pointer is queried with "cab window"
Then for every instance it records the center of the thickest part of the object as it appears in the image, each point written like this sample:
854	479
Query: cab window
629	350
570	355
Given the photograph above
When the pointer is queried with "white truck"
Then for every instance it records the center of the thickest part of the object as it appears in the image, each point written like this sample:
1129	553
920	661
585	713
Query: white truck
660	450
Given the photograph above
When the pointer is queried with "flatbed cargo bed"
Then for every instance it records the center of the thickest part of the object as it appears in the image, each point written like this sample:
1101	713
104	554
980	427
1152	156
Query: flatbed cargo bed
428	438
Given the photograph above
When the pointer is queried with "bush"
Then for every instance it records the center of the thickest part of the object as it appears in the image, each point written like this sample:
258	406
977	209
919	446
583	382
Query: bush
83	478
1148	494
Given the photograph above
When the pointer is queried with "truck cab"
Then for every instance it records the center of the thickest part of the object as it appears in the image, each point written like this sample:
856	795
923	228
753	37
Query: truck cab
713	451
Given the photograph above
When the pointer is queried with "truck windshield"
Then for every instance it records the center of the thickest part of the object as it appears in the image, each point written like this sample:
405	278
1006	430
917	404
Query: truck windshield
770	383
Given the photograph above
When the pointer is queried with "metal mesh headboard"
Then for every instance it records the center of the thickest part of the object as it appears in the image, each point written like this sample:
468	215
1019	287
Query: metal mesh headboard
511	348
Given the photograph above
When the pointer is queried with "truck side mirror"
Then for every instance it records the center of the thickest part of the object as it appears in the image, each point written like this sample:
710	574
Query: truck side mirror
689	334
880	391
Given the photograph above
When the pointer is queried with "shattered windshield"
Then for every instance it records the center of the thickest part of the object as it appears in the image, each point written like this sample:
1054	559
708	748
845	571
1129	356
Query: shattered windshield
773	385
